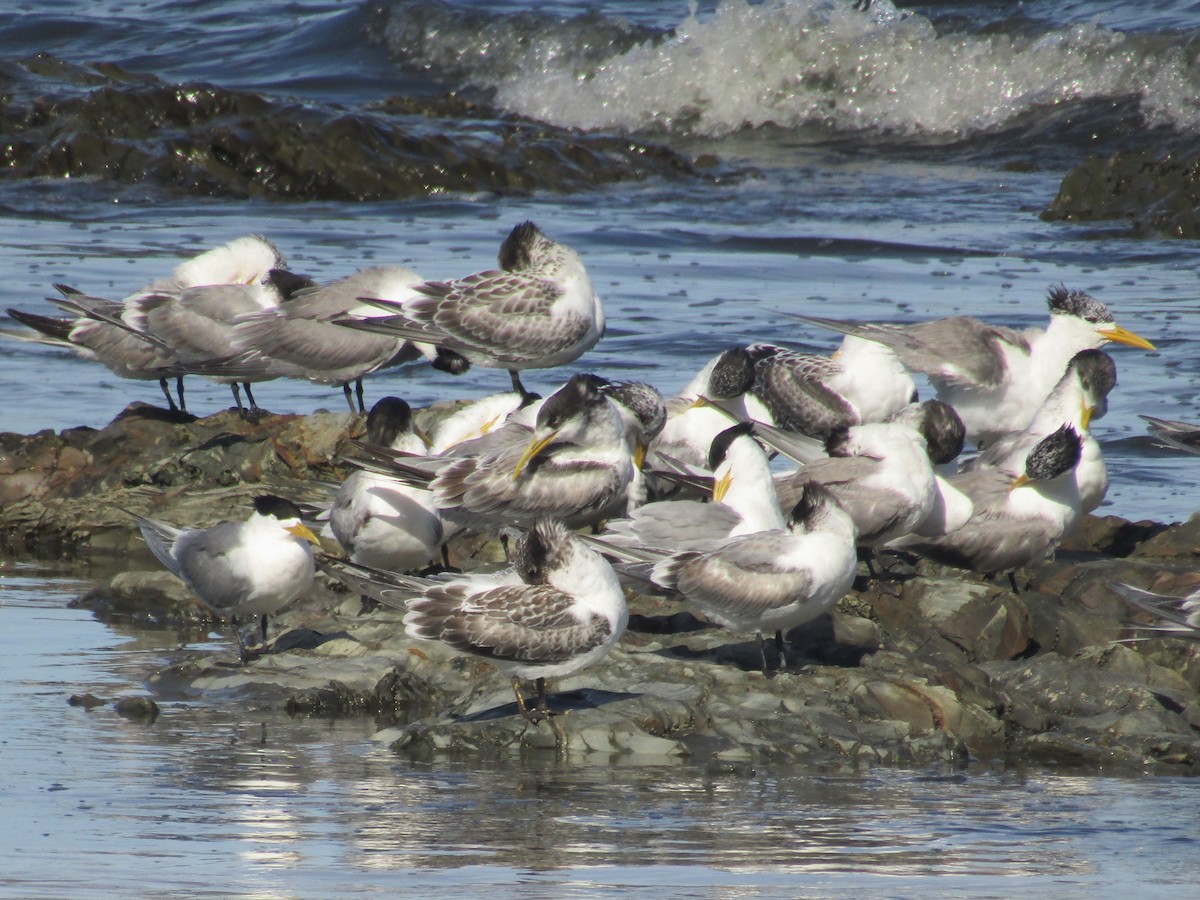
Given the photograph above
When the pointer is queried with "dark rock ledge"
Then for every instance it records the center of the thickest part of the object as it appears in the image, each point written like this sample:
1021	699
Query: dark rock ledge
928	667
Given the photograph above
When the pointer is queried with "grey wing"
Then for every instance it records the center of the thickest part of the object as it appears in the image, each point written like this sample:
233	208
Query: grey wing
313	345
505	314
203	563
958	349
347	514
829	471
992	544
676	524
393	589
985	486
516	623
1173	433
967	350
1174	616
160	538
743	578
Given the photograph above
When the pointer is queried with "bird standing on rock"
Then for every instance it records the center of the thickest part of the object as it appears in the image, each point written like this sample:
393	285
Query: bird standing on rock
250	568
537	311
559	609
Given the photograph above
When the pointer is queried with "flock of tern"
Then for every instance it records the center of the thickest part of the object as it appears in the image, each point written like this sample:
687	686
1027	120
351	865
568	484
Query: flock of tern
752	494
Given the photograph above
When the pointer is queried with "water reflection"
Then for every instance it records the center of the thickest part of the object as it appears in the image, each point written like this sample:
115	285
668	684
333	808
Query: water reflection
217	797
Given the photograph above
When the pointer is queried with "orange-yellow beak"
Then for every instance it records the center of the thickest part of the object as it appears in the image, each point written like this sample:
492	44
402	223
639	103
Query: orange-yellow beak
536	446
303	532
1119	335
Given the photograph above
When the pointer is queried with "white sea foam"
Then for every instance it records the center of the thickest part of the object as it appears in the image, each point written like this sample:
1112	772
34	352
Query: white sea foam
794	63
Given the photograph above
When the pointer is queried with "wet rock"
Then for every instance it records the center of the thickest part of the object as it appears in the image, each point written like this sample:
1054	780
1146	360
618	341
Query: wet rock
927	665
87	701
137	709
200	139
1152	193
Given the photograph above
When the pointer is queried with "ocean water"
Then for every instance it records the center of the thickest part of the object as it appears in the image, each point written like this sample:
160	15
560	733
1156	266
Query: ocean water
717	165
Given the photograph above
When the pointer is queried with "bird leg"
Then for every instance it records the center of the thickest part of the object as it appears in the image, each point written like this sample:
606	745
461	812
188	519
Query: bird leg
762	650
162	383
254	407
516	684
358	392
779	648
349	398
179	390
237	398
516	383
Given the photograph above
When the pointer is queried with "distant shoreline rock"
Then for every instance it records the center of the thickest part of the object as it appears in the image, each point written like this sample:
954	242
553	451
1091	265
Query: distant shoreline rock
1155	194
927	666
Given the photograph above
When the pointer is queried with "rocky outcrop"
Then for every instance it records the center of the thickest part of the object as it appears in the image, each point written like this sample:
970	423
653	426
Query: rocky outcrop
1155	194
924	665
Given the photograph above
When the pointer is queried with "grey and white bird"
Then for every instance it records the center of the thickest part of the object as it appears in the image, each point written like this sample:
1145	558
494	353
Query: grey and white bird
301	333
742	501
944	435
997	377
379	520
558	610
880	474
537	311
1018	519
773	580
251	568
101	330
197	325
1080	396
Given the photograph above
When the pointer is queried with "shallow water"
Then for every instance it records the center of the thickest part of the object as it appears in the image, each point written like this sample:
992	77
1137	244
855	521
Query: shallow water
215	798
889	167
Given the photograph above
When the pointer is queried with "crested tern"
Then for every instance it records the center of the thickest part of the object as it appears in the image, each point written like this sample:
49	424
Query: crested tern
250	568
557	610
537	311
996	377
1018	519
379	520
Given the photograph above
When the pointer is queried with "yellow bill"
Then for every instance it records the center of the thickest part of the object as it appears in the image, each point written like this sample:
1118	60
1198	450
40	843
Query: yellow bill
1119	335
721	486
536	446
303	532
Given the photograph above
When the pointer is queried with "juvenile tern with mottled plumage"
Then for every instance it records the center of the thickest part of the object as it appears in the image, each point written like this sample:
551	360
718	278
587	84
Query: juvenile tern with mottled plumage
862	382
559	609
574	463
537	311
